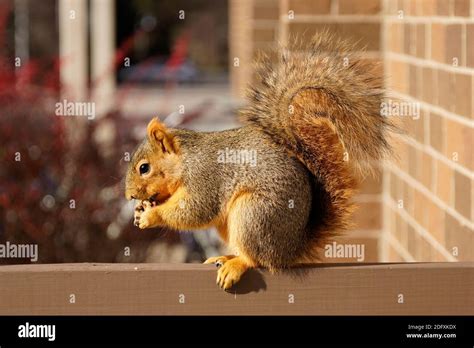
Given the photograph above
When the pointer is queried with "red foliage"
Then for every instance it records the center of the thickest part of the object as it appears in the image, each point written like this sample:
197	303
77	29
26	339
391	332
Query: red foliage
68	200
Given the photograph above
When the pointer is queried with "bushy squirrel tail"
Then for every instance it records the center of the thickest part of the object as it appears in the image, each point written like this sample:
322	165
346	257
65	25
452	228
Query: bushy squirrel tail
324	105
345	90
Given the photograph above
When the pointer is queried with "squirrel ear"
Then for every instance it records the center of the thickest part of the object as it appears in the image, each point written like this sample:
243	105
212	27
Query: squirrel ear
159	136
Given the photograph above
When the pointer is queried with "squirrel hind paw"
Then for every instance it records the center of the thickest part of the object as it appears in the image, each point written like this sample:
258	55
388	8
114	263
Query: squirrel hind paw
231	272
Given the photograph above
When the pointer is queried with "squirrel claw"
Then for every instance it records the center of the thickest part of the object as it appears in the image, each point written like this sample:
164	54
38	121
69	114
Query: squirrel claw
140	209
230	270
218	260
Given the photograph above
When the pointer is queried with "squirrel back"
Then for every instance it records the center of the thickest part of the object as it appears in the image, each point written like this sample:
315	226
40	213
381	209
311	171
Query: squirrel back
323	104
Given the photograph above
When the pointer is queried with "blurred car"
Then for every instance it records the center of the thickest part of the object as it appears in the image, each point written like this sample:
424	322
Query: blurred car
158	71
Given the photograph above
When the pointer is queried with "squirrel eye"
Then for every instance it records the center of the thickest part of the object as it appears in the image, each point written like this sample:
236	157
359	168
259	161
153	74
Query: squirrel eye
144	168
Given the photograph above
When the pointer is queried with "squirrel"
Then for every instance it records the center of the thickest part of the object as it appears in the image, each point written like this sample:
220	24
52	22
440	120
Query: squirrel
312	124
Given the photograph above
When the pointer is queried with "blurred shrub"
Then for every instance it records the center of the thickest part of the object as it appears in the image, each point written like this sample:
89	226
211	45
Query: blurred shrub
67	199
67	196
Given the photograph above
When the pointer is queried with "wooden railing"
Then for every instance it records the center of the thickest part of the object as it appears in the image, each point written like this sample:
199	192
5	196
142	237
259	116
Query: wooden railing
173	289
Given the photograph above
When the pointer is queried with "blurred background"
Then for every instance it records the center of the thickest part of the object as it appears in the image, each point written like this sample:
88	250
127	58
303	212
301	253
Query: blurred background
188	62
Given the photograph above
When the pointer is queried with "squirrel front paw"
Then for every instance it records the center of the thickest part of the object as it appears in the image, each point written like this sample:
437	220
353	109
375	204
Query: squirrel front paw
141	216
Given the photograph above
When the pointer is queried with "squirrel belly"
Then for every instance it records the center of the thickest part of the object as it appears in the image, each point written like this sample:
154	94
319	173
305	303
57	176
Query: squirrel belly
257	194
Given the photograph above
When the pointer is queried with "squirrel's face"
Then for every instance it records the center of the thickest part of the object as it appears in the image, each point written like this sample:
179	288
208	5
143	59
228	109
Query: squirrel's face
154	171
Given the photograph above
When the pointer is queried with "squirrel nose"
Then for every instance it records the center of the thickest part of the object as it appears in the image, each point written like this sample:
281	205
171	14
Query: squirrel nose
129	196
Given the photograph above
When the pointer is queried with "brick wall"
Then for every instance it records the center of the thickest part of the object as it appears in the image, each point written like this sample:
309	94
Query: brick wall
424	207
429	61
254	26
240	45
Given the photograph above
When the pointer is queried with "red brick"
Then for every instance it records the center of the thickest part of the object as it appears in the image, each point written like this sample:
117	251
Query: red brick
438	42
309	7
446	97
414	81
437	132
394	256
368	216
453	45
420	40
462	91
416	127
428	7
436	219
412	239
409	7
459	143
443	7
413	162
462	194
459	237
426	251
429	85
359	6
395	43
426	168
266	11
365	34
372	185
409	199
264	35
469	45
394	186
462	8
399	76
408	38
444	182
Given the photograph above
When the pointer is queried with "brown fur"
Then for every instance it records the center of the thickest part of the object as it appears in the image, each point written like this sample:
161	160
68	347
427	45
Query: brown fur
313	122
349	94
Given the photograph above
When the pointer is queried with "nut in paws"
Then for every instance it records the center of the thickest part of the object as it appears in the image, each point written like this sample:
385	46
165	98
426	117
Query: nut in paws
140	218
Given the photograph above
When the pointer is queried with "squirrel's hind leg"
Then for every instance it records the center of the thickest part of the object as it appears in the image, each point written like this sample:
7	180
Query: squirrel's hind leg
232	267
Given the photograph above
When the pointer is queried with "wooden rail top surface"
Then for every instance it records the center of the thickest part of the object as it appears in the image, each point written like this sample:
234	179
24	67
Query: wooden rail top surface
190	289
